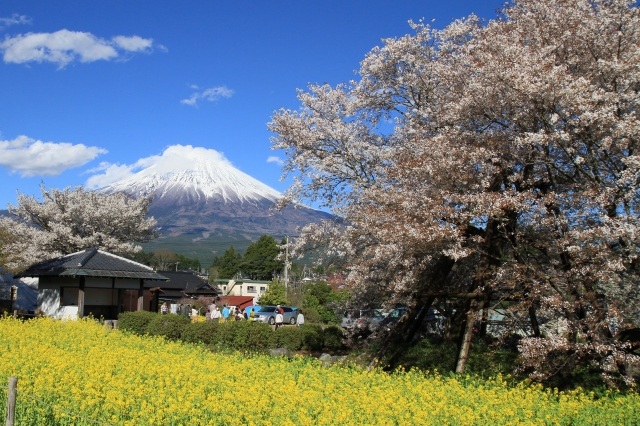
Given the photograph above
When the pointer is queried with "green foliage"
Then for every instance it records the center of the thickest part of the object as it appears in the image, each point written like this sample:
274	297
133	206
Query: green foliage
311	315
185	262
288	337
431	354
259	261
170	326
333	338
229	264
275	294
245	336
312	337
321	297
207	332
136	322
142	257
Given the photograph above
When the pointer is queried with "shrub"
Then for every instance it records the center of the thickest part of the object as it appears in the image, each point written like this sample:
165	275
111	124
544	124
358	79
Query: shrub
333	338
170	326
311	315
201	332
312	338
288	337
136	322
245	336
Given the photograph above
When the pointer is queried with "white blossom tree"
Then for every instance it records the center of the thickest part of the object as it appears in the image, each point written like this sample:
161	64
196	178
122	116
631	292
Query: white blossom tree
497	161
70	220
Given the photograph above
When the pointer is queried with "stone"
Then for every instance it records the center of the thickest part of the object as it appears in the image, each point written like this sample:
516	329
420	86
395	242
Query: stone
326	359
280	352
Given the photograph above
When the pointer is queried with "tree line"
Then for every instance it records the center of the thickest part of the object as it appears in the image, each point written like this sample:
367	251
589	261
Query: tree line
260	261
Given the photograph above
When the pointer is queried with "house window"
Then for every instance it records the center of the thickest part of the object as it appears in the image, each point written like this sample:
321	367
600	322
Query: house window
69	296
262	290
251	289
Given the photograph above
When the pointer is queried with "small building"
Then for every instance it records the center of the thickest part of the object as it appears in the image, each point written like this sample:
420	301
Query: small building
242	287
91	281
181	284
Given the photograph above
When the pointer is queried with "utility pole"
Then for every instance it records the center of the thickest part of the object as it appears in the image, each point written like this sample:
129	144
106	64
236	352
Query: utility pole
286	267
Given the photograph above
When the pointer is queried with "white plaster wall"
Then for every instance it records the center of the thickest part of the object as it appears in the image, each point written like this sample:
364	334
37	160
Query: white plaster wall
49	300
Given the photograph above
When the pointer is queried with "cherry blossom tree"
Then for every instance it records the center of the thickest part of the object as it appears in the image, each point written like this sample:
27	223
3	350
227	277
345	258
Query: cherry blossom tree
495	162
70	220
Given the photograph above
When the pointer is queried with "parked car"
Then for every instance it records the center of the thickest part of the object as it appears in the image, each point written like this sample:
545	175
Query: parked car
268	314
361	318
393	316
432	320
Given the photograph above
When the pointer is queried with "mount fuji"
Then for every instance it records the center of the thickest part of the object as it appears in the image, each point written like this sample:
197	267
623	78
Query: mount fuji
203	204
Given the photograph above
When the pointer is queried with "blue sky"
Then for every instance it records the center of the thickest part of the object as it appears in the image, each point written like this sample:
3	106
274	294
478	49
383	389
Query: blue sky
90	87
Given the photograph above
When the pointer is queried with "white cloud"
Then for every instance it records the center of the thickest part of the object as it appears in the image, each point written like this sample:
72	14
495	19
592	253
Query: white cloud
64	46
133	43
275	159
211	94
172	158
14	20
112	173
31	157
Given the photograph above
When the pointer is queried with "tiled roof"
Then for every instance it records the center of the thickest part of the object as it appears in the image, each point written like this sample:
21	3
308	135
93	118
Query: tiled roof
92	263
186	282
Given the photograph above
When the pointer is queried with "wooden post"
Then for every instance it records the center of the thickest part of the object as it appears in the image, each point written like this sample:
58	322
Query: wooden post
11	401
81	298
14	297
141	295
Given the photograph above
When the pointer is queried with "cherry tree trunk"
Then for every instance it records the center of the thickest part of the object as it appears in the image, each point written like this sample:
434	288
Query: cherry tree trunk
463	356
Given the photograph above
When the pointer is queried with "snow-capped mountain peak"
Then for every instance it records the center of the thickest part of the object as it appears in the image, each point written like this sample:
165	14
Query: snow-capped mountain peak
193	174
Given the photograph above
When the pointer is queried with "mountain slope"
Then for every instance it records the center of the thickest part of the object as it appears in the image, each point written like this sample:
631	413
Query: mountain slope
203	204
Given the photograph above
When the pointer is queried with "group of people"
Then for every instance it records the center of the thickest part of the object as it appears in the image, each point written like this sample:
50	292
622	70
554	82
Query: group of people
234	313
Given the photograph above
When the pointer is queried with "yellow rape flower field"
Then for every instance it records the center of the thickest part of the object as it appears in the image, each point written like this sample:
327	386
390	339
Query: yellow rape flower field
70	372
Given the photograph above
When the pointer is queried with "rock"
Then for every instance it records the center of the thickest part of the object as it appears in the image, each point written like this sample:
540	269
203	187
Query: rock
280	352
326	359
342	359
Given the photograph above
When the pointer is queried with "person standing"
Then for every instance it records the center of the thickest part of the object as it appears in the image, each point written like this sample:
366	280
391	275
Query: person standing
252	315
164	309
279	320
215	313
194	315
299	319
225	313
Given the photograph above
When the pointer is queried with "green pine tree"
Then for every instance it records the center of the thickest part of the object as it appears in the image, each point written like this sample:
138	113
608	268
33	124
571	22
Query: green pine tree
260	262
229	263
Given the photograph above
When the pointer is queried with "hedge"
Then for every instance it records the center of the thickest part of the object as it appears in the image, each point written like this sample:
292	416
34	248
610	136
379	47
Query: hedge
288	337
136	322
170	326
